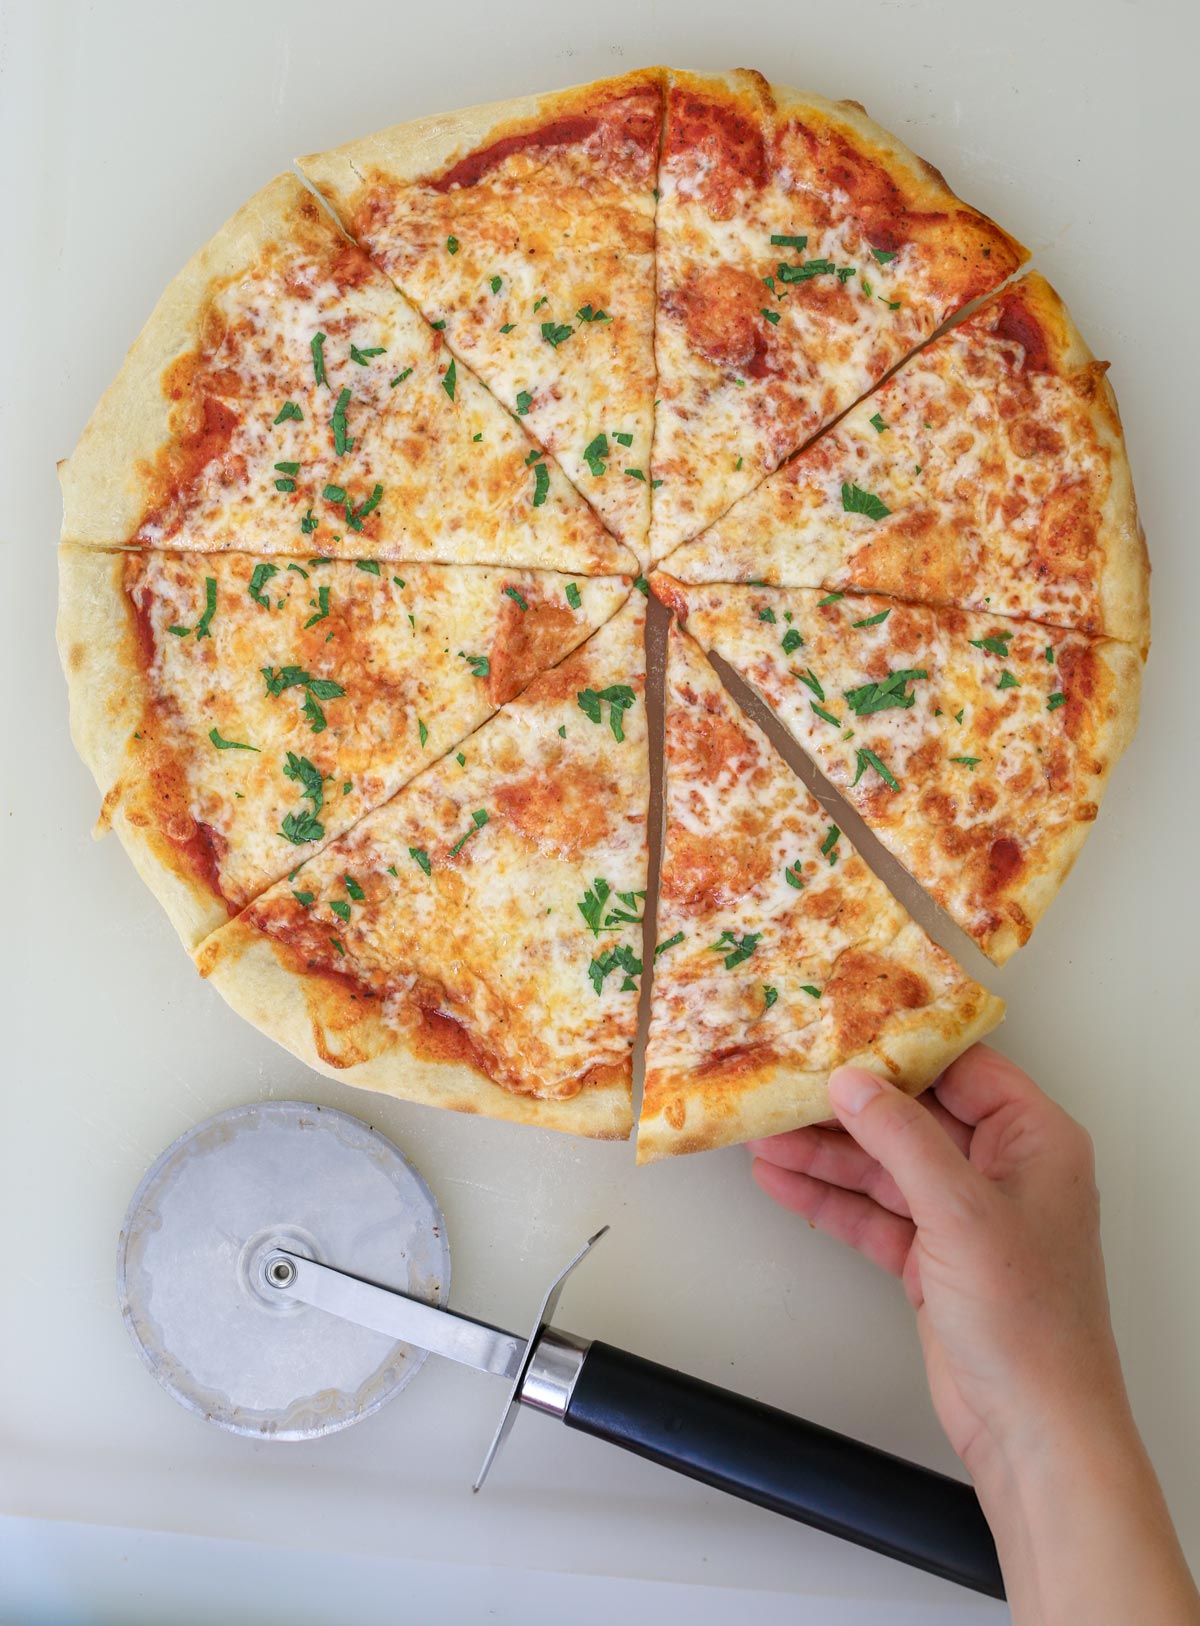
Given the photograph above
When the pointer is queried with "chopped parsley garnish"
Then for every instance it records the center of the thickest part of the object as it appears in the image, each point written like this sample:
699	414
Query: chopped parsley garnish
573	598
317	346
478	819
371	566
634	474
300	828
289	409
669	943
958	715
857	501
541	484
793	876
309	523
228	745
262	575
770	995
967	762
422	731
295	677
321	605
883	255
362	357
735	948
556	333
461	759
798	243
767	615
595	913
877	423
353	889
810	679
518	600
621	956
507	327
304	899
825	716
791	640
452	245
210	608
619	697
524	402
534	457
450	378
299	569
180	632
400	377
886	692
771	316
808	988
831	840
479	664
642	585
995	643
1008	681
830	598
422	858
595	452
868	759
302	772
538	303
496	283
623	437
1050	653
438	327
333	493
1055	701
341	909
340	946
587	314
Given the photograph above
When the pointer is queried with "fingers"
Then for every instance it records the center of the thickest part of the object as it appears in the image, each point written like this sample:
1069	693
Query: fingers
881	1237
982	1081
832	1156
908	1141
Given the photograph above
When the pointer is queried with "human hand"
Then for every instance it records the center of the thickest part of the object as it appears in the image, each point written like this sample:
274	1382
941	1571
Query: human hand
981	1197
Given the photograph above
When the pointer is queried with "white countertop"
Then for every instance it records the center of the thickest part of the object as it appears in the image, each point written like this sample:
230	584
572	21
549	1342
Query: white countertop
128	132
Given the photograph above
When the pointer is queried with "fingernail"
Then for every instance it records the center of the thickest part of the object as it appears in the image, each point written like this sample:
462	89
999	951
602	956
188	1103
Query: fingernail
851	1088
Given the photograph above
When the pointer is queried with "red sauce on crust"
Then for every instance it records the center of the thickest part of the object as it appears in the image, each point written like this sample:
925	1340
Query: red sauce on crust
730	144
1018	323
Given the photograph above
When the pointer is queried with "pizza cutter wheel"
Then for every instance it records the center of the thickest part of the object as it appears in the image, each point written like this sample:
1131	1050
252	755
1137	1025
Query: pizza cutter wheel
283	1271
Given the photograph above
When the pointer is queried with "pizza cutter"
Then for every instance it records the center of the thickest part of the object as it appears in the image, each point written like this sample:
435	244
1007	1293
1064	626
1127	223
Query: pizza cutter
283	1271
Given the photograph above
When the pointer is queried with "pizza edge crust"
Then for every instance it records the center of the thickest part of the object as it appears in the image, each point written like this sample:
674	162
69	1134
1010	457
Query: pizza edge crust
132	419
106	694
777	1097
252	976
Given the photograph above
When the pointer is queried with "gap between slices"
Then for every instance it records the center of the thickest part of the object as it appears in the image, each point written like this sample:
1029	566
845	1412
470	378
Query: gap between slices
780	954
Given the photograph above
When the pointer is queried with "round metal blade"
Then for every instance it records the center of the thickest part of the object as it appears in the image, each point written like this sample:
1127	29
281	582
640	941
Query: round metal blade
189	1267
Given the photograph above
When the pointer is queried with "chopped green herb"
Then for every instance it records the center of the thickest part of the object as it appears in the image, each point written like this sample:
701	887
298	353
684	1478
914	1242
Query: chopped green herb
642	585
317	346
810	679
452	245
878	424
595	452
623	437
573	598
353	888
524	402
210	608
496	284
828	845
289	409
370	566
873	620
302	772
299	569
634	474
770	995
857	501
541	484
771	316
825	716
830	598
669	943
734	948
180	632
422	731
587	314
798	243
304	899
1050	653
1008	681
507	327
340	946
793	876
262	574
228	745
791	640
886	692
400	377
808	988
621	956
479	664
767	615
450	379
1055	701
556	333
967	762
518	600
883	255
868	759
995	643
333	493
619	697
300	828
341	909
321	605
478	819
362	357
422	858
309	524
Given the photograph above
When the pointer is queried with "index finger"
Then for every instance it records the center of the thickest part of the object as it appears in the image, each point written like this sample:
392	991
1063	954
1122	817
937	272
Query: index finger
982	1081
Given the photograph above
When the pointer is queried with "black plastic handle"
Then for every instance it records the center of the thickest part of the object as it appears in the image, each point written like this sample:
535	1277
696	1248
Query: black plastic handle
783	1463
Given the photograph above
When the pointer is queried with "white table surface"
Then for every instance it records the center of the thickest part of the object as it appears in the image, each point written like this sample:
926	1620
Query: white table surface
128	132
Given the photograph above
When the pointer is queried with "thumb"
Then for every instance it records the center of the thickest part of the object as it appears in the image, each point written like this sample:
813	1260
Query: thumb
933	1176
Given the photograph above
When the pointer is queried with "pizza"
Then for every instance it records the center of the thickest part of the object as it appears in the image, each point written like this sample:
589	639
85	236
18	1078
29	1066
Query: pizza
802	252
989	472
239	711
476	941
394	556
976	748
780	955
526	231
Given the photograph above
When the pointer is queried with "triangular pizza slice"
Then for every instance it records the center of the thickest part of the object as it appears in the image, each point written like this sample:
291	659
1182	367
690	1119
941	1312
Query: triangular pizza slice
988	472
802	251
477	942
780	955
976	748
525	229
284	399
239	712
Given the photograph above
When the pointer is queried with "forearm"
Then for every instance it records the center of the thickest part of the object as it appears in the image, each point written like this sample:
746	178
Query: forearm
1083	1531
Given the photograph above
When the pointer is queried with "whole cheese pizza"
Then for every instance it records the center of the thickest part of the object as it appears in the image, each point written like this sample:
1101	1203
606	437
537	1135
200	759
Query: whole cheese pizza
413	465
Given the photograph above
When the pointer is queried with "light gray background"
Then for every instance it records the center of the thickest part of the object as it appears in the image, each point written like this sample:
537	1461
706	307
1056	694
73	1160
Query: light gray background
128	132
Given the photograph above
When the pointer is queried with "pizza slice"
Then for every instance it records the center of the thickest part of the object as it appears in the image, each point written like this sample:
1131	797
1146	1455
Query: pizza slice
802	251
526	230
239	712
988	472
976	748
476	943
780	955
284	399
